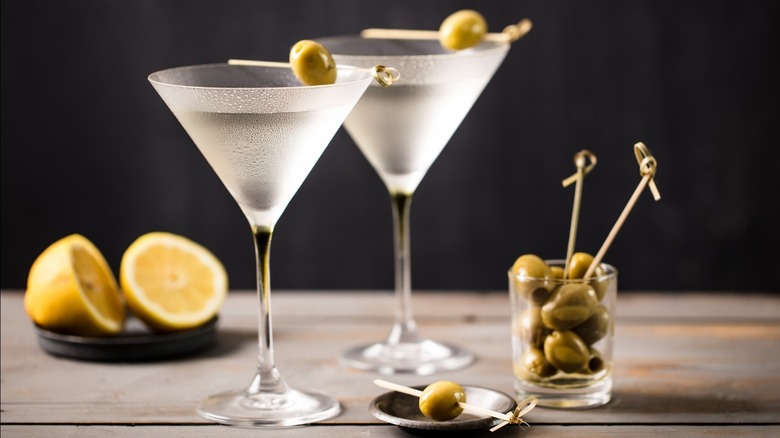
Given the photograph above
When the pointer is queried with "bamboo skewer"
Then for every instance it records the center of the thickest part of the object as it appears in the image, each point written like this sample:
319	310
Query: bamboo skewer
385	76
647	168
580	159
254	63
510	34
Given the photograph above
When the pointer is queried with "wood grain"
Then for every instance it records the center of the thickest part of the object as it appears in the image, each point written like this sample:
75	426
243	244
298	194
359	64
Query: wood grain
698	364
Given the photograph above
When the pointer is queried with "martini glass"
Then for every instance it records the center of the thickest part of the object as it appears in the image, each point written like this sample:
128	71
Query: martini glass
261	132
401	130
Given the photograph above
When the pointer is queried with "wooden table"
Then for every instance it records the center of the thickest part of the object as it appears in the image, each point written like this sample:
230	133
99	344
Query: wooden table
704	364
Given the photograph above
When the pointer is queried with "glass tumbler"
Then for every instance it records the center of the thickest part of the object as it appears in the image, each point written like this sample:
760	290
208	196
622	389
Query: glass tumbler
562	337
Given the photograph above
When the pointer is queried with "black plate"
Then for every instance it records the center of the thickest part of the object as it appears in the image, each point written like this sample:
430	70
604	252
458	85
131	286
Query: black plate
135	343
403	411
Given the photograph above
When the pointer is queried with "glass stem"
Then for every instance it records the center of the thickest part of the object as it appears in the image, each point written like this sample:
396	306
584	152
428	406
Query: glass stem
267	378
404	328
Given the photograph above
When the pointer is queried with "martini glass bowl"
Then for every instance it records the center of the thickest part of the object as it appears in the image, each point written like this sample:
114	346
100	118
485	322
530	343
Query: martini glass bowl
401	130
261	132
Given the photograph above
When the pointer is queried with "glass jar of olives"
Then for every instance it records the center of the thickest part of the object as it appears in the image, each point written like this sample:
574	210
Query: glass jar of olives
562	330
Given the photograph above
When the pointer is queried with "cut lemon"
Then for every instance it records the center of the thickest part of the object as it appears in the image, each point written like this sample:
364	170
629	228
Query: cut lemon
71	290
172	283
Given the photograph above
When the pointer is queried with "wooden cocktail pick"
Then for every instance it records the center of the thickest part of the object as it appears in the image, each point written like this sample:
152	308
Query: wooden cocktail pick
510	34
647	168
384	75
580	160
511	417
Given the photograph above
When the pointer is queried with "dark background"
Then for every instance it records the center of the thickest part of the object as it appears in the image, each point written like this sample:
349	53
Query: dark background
88	147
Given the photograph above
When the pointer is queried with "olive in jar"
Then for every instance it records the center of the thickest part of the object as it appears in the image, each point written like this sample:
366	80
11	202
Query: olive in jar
531	276
566	351
596	363
595	327
570	305
534	364
578	266
531	328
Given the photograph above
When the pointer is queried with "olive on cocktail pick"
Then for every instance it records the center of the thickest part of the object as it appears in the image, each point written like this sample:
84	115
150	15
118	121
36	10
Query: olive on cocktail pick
462	29
312	63
439	400
446	391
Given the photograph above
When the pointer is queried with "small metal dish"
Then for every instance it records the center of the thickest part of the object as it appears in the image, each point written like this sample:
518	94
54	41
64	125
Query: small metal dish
403	411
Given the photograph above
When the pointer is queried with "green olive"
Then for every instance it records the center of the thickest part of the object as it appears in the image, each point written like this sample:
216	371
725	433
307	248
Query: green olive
595	327
556	272
439	400
462	29
530	266
531	328
579	264
596	363
570	305
566	351
535	365
312	63
578	267
531	276
600	286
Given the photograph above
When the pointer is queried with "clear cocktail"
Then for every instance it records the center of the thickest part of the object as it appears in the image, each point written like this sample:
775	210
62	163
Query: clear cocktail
401	130
262	133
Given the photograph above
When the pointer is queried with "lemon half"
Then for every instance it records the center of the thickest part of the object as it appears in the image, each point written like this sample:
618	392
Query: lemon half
71	290
172	283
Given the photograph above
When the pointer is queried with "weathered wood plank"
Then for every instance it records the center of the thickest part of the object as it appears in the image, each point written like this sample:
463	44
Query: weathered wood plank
387	431
371	305
694	367
377	306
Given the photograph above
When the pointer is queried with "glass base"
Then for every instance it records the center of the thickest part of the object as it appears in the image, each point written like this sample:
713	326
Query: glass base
598	394
421	357
289	408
